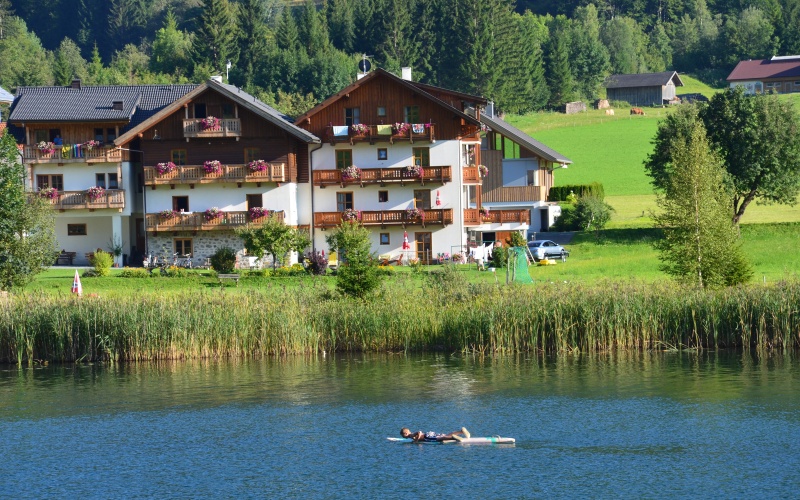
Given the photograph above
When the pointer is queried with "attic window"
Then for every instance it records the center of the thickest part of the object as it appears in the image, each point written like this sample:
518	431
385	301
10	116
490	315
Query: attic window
117	105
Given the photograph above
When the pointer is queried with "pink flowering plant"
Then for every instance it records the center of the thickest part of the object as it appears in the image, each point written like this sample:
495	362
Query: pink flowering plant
168	214
50	193
414	171
351	215
351	173
415	213
258	212
46	147
257	166
484	211
359	128
401	128
483	170
89	145
95	193
212	166
213	213
209	123
165	168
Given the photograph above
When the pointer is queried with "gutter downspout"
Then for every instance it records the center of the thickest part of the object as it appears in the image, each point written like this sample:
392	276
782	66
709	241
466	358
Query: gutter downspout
311	183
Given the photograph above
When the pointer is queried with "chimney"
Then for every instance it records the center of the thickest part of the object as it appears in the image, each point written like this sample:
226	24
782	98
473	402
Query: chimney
406	73
76	83
217	78
117	105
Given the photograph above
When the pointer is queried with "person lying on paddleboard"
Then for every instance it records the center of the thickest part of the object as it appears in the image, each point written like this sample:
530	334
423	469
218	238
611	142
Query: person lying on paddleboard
433	436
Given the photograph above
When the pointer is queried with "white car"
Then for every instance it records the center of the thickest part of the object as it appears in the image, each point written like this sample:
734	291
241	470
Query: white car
546	249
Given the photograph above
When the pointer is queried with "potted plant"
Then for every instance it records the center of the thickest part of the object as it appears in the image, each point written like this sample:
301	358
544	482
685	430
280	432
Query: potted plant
257	166
95	193
415	213
213	213
483	170
359	129
209	123
258	212
115	248
168	214
484	212
401	128
212	166
50	193
351	215
351	173
89	145
165	168
414	171
46	147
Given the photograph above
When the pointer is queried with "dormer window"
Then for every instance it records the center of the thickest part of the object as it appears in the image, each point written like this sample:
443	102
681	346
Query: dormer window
116	105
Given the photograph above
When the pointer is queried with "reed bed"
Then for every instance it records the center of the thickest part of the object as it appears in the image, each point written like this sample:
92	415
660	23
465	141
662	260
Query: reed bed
445	316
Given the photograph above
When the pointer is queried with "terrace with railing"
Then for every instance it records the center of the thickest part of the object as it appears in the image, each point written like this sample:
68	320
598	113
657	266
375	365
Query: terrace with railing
226	127
198	221
375	133
387	218
197	174
473	217
383	176
76	200
73	153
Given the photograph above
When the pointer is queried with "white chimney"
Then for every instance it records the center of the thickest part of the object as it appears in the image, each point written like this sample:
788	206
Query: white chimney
406	73
217	78
359	76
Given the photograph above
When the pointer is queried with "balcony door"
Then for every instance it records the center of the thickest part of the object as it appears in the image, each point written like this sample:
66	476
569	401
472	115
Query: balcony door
180	203
424	247
255	200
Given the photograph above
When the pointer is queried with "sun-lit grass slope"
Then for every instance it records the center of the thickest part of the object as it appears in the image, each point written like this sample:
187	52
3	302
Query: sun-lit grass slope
692	85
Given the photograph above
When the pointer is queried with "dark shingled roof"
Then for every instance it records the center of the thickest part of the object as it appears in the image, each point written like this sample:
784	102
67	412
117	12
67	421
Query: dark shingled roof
523	139
93	104
643	80
764	68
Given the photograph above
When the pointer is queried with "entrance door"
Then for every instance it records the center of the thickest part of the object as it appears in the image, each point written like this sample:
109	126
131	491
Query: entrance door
424	247
545	218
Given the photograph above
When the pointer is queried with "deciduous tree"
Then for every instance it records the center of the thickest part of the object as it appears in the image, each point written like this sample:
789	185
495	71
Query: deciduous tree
274	238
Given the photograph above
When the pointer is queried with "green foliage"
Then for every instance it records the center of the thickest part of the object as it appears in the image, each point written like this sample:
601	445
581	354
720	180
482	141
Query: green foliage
562	193
224	260
215	38
589	214
274	238
134	272
700	244
27	235
515	239
358	275
102	262
499	257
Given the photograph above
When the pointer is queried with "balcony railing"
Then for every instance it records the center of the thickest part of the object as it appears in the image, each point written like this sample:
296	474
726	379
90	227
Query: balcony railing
387	218
228	127
74	153
471	175
383	176
375	133
196	174
514	194
196	221
74	200
473	217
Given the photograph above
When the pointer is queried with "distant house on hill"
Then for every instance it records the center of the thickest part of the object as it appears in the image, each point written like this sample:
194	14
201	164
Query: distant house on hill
780	74
646	89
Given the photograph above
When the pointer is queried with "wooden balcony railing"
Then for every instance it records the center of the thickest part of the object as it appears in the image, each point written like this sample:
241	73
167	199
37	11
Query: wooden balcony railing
383	176
74	200
472	217
74	153
470	132
375	133
471	175
388	218
196	174
514	194
228	127
196	221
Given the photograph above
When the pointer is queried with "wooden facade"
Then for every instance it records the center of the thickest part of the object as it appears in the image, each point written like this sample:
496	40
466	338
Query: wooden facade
642	96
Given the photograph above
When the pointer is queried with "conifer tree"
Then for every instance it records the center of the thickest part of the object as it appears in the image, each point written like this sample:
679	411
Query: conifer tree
252	39
171	48
287	36
341	24
312	29
215	38
68	63
559	73
398	46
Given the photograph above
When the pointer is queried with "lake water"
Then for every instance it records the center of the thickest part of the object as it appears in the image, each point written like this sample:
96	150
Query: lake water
629	425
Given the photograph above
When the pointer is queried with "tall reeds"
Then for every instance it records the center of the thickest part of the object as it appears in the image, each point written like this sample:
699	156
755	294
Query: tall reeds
439	315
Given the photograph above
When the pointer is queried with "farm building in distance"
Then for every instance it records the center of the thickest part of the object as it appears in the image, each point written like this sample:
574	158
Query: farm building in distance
780	74
646	89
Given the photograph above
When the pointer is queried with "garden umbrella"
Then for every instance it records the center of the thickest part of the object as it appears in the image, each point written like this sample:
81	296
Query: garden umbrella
406	246
438	200
76	284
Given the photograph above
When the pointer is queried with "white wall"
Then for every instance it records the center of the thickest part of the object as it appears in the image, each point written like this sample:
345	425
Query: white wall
226	197
515	171
98	235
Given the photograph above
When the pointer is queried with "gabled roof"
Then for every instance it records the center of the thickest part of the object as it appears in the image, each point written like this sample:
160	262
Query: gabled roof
643	80
461	95
783	67
382	73
6	96
92	103
523	139
235	94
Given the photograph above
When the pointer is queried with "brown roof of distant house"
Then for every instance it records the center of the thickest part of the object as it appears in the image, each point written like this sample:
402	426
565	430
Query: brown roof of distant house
764	68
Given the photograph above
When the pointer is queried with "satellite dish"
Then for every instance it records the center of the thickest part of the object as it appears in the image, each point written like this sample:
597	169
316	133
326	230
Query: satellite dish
364	65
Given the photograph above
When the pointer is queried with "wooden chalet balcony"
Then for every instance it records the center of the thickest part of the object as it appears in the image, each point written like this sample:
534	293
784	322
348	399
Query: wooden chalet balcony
196	221
514	194
470	175
74	153
228	127
383	176
377	133
74	200
472	217
196	174
470	132
387	218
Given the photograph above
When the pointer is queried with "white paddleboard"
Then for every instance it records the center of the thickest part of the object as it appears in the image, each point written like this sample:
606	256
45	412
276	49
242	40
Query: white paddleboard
471	440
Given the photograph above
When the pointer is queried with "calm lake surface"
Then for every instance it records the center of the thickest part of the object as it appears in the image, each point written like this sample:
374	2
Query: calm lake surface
722	425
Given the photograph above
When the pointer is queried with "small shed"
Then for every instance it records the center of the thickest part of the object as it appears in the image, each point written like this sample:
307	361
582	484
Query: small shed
646	89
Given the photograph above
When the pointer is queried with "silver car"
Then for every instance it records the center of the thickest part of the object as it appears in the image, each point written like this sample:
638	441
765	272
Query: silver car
546	249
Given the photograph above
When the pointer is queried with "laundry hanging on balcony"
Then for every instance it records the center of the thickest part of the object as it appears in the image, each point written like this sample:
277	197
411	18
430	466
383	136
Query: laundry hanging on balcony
418	128
384	130
438	199
406	245
340	131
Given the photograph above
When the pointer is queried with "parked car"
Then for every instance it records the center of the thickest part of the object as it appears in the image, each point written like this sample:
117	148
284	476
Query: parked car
546	249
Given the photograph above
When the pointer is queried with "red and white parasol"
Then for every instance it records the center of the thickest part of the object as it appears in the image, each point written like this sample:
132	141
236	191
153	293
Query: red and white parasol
406	246
76	284
438	200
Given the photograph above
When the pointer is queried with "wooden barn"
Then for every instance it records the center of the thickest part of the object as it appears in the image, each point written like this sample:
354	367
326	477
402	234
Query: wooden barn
646	89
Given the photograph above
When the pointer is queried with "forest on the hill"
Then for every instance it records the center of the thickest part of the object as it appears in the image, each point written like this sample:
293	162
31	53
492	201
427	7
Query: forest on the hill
525	55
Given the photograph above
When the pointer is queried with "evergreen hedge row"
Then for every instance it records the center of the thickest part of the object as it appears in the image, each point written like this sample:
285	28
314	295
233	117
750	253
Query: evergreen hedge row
560	193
